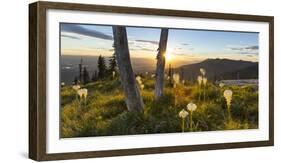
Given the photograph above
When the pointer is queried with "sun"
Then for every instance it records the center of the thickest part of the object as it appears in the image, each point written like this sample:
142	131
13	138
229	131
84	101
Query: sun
168	55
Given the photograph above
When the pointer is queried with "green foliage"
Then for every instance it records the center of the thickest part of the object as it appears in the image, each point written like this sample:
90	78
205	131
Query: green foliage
104	112
86	76
112	63
101	67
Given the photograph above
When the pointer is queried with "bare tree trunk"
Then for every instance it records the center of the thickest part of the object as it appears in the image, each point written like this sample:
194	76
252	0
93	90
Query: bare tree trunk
160	68
133	98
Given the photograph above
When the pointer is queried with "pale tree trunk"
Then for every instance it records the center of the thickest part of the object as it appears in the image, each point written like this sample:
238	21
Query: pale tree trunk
160	68
133	98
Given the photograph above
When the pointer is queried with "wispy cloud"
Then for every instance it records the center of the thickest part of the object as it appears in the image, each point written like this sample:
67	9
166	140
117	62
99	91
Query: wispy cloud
143	45
148	41
77	29
249	55
69	36
253	49
146	49
185	44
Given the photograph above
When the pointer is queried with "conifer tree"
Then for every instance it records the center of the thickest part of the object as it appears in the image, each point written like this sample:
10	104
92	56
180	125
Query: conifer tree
95	76
75	81
101	67
112	63
86	77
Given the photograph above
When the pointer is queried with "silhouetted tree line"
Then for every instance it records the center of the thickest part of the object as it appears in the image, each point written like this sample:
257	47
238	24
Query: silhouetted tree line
102	70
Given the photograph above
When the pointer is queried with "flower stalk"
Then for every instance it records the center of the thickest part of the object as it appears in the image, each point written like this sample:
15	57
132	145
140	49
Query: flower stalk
191	107
228	97
183	114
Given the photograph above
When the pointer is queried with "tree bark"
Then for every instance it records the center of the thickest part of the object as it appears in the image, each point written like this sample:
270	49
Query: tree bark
160	67
133	98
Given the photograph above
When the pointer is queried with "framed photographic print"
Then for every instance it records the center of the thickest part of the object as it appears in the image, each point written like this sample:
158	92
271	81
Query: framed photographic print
112	81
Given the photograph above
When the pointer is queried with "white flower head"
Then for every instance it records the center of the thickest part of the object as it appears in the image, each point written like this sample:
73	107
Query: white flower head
183	113
199	79
142	86
76	87
203	71
191	106
221	85
176	78
204	80
113	74
62	84
152	75
82	93
138	79
228	96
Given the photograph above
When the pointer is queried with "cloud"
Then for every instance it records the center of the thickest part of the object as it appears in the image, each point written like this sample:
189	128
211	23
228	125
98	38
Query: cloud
143	45
244	49
185	44
77	29
249	55
148	41
233	48
252	47
146	49
178	48
69	36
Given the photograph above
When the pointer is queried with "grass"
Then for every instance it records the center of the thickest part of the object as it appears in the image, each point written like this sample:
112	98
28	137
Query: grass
104	111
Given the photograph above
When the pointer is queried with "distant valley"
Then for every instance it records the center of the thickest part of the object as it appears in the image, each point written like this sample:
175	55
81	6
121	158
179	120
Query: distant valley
217	69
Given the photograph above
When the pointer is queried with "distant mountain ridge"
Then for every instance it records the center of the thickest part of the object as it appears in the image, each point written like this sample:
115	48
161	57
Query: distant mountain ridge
217	69
220	69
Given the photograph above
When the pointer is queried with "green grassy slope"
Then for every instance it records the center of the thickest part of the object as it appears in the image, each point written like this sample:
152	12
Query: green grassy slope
104	111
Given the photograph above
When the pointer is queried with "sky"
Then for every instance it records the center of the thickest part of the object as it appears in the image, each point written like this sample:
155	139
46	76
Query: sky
184	45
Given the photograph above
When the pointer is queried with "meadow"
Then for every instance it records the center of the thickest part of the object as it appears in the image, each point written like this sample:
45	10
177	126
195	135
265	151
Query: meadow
99	109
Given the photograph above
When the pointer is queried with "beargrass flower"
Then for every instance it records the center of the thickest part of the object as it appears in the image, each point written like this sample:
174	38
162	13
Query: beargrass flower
199	79
204	81
191	107
203	71
228	97
142	86
82	93
221	85
76	87
176	78
113	74
183	114
138	79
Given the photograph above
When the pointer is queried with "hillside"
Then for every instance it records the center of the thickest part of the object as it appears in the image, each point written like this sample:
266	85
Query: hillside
103	111
219	69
